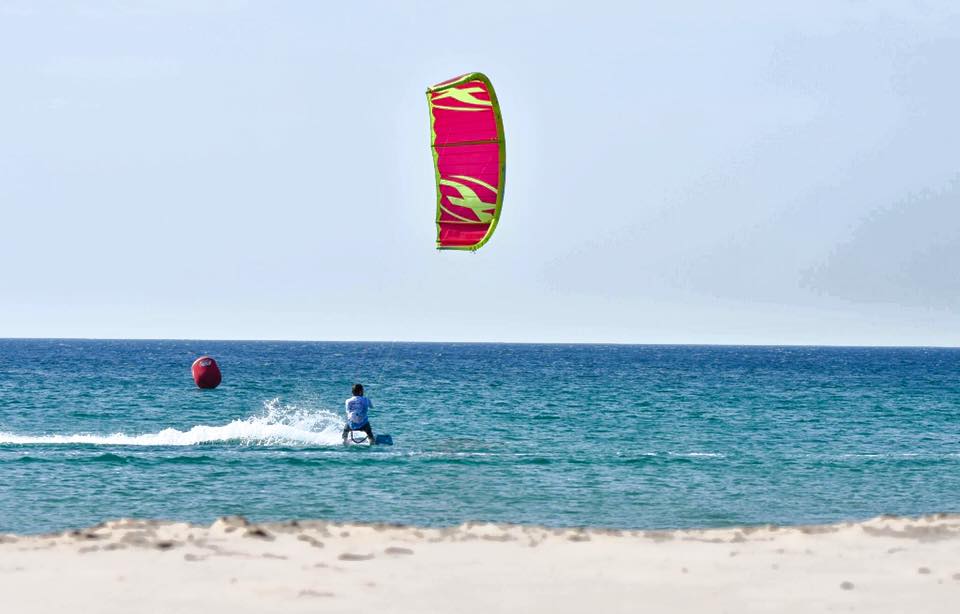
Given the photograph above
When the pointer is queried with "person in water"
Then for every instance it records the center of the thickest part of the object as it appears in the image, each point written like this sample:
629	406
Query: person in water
357	407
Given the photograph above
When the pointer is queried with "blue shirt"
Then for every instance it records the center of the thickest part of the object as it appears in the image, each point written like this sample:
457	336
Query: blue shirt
357	408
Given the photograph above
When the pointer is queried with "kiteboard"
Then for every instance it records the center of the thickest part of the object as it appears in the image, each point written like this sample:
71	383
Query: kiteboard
357	438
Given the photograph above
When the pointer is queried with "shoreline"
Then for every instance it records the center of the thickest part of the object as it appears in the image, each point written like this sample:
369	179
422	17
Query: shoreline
230	524
885	564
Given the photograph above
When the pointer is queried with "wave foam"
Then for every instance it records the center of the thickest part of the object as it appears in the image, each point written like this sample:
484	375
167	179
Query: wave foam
278	425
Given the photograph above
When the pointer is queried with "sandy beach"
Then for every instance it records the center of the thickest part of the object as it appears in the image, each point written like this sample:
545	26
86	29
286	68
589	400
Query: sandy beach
886	564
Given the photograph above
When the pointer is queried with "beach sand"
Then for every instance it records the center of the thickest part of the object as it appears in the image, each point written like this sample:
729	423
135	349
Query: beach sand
886	564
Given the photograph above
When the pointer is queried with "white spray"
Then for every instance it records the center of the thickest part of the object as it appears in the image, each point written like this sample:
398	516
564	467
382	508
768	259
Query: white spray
277	425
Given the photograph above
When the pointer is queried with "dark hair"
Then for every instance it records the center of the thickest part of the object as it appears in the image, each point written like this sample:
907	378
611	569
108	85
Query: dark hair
358	390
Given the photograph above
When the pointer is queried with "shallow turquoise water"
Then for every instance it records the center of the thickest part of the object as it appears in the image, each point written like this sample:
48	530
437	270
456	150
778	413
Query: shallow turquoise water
615	436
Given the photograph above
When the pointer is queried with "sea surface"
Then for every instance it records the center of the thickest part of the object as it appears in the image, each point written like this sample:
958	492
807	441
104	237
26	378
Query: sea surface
561	435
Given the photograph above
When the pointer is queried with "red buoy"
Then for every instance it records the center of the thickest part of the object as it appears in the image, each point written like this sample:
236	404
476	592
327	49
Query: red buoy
206	373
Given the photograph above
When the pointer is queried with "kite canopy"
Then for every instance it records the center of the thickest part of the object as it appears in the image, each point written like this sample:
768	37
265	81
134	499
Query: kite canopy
469	158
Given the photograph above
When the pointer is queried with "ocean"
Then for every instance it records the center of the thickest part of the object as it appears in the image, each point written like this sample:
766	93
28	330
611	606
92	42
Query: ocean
613	436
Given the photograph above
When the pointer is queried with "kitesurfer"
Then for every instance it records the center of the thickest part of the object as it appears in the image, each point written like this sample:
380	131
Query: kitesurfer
357	407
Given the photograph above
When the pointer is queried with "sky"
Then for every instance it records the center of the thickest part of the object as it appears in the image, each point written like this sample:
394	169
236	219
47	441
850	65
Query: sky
677	172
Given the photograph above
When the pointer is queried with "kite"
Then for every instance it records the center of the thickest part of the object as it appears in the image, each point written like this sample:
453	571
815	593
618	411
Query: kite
469	159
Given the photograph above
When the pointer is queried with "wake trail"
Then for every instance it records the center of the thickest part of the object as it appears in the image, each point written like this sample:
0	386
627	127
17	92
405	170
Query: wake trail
278	425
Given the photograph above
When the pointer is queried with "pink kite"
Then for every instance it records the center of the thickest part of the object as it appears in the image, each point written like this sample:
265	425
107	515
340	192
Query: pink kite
469	157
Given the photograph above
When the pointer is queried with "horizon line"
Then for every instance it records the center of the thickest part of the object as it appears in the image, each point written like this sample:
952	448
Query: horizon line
461	342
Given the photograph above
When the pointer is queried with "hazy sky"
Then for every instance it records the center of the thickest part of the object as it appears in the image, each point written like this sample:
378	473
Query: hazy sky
677	172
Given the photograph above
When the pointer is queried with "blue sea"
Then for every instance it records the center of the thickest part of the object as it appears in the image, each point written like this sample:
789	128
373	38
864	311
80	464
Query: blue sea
559	435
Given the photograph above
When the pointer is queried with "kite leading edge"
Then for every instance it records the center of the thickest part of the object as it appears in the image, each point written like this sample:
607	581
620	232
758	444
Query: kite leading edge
469	159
